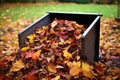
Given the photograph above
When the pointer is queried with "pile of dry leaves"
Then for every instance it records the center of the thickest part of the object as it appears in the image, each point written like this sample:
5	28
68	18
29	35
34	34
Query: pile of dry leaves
52	53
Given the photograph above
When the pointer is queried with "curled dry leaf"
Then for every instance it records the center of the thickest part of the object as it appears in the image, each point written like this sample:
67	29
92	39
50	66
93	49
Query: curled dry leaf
18	65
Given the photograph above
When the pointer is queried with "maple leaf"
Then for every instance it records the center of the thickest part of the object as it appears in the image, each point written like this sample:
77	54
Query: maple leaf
74	68
52	68
86	69
31	38
36	55
66	54
25	48
18	65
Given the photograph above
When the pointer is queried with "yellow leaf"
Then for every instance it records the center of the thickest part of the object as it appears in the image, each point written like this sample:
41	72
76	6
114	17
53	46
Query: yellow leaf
66	54
17	66
44	78
52	31
36	55
31	38
25	48
86	69
52	68
57	78
76	63
75	70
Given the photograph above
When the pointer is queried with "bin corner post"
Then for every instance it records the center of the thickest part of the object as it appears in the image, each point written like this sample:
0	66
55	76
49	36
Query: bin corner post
97	40
19	40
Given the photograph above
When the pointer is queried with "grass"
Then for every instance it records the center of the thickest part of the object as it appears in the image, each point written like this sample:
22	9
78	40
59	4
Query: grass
30	11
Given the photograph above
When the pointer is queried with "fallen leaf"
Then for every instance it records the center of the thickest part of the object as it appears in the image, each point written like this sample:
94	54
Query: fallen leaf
52	31
28	54
54	23
75	70
25	48
52	68
66	54
31	76
18	65
57	78
4	77
36	55
86	69
31	38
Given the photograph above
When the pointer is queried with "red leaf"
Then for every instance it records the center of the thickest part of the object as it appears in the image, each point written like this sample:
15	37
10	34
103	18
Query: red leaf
4	62
31	76
70	28
4	77
62	35
27	54
36	55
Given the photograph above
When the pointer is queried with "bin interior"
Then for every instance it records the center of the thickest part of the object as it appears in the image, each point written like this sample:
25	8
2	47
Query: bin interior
90	40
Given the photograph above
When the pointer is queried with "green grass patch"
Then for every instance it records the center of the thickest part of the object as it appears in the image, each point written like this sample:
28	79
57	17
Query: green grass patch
30	11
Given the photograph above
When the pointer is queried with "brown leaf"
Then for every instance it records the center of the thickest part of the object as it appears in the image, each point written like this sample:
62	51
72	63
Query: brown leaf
18	65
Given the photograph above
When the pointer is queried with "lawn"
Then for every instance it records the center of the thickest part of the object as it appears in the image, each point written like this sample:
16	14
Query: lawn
30	11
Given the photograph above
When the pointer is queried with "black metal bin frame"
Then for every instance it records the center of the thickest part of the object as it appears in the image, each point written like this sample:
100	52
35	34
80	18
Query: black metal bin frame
90	38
